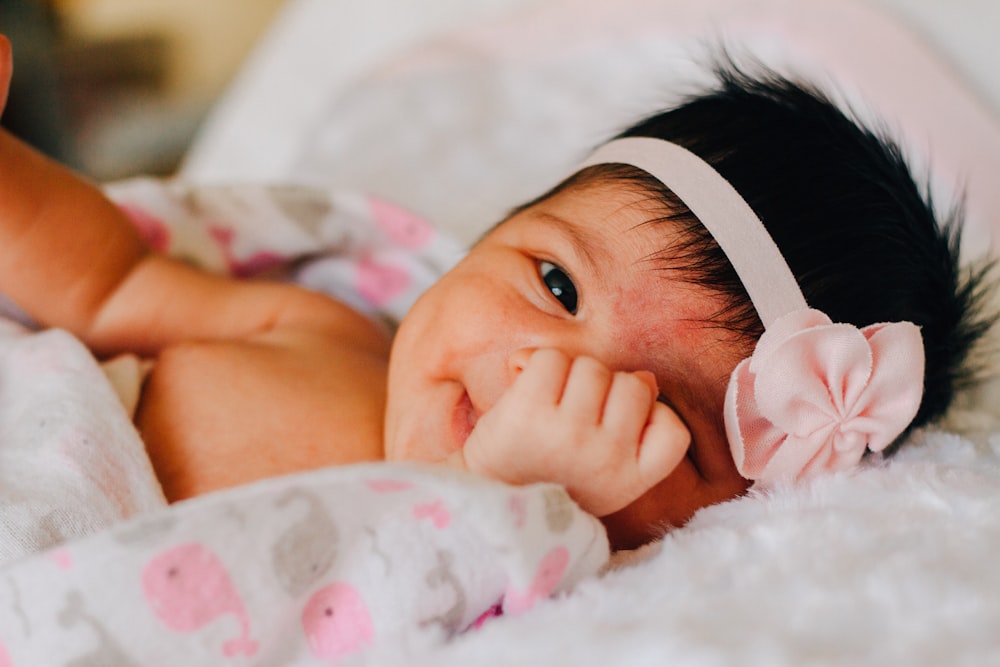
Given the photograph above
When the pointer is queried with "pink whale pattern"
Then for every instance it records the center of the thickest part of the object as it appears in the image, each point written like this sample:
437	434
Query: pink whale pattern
404	228
336	622
550	571
434	511
388	485
188	588
380	282
243	267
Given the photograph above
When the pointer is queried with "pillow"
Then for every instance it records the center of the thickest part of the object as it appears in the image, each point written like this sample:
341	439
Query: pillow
466	125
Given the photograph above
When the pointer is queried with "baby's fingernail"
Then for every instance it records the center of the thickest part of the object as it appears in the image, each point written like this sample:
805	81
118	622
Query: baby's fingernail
650	380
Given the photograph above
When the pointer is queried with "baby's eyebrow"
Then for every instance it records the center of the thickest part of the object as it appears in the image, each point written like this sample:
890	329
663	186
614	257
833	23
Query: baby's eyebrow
584	241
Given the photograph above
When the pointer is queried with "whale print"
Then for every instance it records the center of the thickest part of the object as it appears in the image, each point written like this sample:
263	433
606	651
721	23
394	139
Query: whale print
435	511
443	576
547	577
403	228
379	282
188	588
306	549
336	622
107	652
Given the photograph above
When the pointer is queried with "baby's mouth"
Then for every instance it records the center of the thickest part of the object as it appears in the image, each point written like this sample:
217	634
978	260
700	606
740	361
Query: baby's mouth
463	419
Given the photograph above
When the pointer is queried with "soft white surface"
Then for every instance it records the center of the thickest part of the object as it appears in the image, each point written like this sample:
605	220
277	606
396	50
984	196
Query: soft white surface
461	119
964	32
315	49
71	462
892	566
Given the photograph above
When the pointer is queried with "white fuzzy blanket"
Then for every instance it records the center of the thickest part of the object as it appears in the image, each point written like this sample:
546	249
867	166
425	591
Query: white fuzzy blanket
893	565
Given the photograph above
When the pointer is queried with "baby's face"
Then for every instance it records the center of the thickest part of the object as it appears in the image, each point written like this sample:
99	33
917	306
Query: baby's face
575	272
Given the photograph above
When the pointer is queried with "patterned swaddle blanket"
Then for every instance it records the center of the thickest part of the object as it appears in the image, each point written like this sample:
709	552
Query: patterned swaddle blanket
304	569
367	252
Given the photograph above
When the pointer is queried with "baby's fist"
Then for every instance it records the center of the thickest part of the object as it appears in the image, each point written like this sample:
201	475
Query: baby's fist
573	421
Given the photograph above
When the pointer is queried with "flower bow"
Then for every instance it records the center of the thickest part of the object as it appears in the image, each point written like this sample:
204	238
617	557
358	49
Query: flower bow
814	394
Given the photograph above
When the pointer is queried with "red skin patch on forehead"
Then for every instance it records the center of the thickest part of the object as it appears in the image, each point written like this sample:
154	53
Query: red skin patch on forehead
647	318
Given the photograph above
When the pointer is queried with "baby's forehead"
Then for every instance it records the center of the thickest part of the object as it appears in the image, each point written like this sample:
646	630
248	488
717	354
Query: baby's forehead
632	245
608	192
613	208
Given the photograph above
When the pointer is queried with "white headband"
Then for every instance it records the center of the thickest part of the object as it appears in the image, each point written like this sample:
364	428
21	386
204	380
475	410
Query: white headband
814	395
724	213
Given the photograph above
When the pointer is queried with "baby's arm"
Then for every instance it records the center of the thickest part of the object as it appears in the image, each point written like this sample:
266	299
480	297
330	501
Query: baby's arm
71	259
63	247
602	435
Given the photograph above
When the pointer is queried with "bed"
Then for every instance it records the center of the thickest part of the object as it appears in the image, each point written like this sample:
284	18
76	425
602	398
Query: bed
455	111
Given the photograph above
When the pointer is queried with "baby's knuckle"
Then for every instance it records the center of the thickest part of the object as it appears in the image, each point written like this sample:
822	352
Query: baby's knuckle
632	389
615	440
590	367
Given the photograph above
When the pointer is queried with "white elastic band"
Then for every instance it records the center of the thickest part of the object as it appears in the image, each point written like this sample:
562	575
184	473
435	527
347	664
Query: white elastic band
724	213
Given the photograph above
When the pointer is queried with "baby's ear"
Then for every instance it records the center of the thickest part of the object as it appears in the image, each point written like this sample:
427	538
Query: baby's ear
6	70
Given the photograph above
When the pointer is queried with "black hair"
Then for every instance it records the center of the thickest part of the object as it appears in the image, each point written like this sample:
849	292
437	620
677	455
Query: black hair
860	235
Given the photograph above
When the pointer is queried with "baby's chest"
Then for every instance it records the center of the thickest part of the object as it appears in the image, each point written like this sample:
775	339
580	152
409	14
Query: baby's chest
215	415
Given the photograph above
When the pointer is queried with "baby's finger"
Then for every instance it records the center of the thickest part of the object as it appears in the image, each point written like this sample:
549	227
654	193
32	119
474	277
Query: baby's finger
627	408
664	443
586	389
649	380
544	376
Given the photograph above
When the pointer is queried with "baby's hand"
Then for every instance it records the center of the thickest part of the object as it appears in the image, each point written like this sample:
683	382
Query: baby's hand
599	433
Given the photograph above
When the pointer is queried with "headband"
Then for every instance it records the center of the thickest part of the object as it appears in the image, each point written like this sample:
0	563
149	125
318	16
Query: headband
724	213
814	395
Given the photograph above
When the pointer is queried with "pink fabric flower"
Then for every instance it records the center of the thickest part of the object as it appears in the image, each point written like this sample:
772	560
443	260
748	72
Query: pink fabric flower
814	395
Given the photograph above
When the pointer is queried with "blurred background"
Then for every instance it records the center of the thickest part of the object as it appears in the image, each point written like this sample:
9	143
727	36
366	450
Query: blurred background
116	88
119	87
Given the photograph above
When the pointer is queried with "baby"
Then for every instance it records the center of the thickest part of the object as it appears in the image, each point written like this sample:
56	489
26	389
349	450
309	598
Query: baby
599	337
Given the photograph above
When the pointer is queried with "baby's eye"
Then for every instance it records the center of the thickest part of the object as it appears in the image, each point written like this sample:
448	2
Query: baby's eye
559	284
